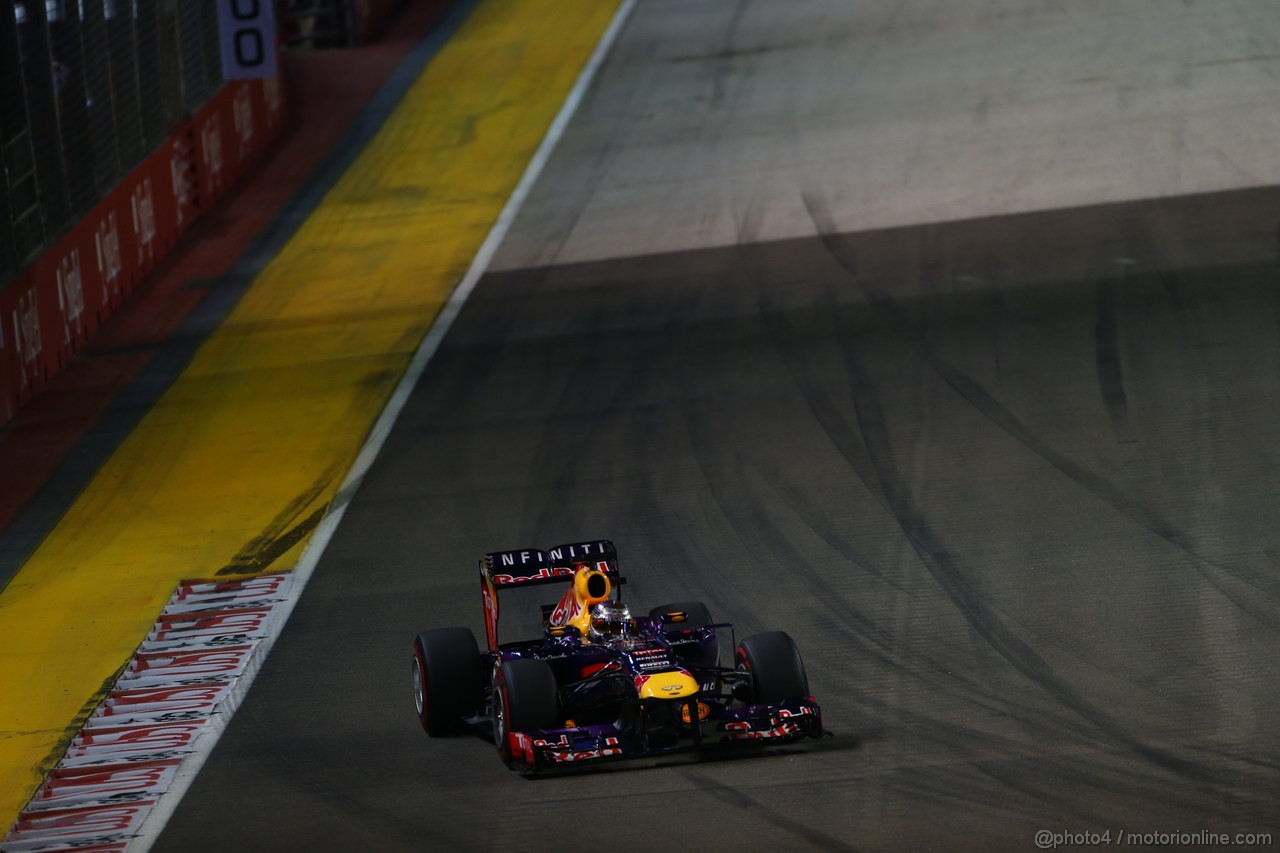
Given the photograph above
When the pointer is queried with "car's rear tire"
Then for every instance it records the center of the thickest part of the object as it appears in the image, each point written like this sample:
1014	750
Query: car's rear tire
696	616
525	699
446	678
774	668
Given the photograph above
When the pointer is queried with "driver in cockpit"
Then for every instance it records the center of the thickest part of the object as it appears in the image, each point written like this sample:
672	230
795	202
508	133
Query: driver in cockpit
610	622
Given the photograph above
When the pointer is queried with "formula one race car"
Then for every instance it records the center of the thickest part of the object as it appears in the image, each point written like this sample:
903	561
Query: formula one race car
599	683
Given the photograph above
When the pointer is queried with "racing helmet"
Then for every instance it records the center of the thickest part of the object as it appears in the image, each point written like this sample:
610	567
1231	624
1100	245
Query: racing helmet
610	620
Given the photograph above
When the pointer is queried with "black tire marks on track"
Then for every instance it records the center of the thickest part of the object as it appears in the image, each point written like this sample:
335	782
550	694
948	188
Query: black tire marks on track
934	554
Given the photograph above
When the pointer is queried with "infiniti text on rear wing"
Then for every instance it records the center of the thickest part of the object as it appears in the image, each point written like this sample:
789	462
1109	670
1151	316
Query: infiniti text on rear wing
533	567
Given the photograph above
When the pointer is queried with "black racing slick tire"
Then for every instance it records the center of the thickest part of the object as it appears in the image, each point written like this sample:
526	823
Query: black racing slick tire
696	616
525	698
776	671
446	678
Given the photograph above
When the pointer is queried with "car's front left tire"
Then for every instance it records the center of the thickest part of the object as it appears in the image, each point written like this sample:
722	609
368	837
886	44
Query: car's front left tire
775	672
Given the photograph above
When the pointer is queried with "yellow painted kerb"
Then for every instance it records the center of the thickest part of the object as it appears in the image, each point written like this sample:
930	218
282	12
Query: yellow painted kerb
244	452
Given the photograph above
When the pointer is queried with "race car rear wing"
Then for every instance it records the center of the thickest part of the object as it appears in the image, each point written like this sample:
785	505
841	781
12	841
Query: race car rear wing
532	567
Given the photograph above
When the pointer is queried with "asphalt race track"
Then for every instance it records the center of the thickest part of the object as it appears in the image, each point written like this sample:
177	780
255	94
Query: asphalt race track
1009	477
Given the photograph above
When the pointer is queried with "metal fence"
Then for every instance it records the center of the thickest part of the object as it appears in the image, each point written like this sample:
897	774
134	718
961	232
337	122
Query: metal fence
316	23
88	88
332	23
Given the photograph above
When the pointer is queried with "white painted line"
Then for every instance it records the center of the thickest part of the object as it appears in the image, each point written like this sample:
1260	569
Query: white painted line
167	804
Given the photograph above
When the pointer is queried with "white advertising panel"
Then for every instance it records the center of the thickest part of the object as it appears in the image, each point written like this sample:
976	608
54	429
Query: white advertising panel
248	29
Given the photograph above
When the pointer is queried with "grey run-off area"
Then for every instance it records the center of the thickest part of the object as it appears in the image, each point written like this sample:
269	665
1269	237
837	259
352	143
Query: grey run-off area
942	335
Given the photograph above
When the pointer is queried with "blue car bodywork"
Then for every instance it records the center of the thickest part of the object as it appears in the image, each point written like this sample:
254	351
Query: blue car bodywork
571	697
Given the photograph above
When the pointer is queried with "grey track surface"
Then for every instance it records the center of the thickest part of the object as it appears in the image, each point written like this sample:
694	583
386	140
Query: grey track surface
1010	481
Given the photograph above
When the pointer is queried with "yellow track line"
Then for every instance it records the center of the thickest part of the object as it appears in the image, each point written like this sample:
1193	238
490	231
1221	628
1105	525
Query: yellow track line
229	471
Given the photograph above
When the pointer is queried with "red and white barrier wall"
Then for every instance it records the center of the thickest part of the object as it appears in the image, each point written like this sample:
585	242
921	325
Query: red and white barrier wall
49	312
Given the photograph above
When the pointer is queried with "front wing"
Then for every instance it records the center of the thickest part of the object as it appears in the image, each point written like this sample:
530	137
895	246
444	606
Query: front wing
778	723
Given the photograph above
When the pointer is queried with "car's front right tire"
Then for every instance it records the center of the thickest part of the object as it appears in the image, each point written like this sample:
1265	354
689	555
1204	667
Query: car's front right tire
525	698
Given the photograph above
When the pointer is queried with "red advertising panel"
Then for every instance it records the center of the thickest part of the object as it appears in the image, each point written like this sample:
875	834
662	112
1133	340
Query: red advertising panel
50	311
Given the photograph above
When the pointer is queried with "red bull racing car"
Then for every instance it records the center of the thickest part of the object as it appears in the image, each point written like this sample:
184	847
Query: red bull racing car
601	683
